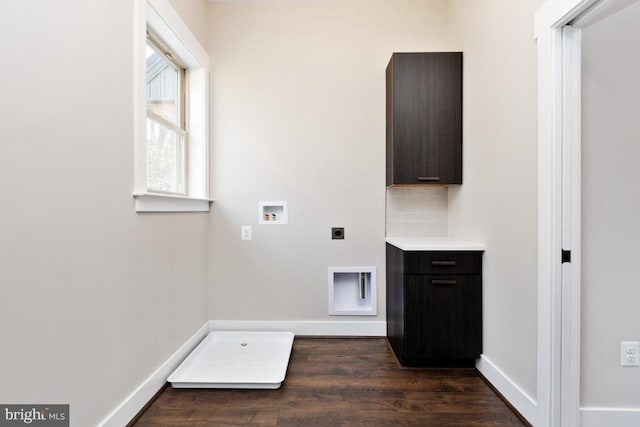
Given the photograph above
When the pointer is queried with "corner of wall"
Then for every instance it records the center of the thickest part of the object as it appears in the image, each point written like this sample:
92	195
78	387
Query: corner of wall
133	403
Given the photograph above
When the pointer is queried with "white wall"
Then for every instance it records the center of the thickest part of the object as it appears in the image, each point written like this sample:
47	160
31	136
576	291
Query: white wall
298	114
497	202
610	209
94	296
194	14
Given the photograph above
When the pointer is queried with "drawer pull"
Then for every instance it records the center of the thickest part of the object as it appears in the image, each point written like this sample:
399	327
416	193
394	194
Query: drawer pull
362	288
428	178
443	282
443	263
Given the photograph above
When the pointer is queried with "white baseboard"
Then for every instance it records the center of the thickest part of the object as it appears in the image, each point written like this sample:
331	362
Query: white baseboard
517	397
304	327
141	396
610	417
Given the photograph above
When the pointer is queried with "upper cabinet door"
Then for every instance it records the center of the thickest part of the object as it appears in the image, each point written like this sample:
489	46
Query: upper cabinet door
424	118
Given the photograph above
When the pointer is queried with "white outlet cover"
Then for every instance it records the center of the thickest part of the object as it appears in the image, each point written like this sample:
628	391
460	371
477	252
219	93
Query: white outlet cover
630	353
245	232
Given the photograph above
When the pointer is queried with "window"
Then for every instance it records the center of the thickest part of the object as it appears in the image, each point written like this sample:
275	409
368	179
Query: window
171	113
166	130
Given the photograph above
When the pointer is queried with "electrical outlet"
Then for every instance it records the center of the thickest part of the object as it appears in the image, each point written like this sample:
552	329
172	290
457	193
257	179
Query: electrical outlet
629	353
245	232
337	233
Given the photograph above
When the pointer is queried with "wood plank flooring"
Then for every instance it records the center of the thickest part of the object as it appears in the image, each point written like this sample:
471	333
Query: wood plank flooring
341	382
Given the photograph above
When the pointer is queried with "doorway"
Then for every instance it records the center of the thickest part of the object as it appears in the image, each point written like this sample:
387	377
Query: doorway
574	117
610	210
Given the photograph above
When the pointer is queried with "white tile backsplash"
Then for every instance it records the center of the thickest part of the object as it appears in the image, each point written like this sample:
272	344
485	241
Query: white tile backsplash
416	212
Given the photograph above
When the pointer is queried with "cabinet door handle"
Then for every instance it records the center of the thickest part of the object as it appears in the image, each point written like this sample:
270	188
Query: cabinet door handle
362	288
443	282
428	178
443	263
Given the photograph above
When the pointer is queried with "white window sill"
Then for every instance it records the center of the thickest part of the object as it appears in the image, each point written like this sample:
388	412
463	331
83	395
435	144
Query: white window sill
149	202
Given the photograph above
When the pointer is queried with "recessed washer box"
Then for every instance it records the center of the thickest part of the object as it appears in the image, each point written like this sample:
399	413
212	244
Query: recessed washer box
273	213
352	291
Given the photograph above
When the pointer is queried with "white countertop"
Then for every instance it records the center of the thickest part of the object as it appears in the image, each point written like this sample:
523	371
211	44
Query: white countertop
433	244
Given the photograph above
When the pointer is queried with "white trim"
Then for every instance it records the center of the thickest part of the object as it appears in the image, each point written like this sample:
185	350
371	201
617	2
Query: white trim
600	11
149	202
549	21
377	328
163	19
554	14
571	231
511	391
140	96
610	417
128	409
549	220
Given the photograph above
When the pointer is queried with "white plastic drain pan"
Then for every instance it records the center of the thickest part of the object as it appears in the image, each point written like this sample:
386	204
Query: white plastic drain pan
236	360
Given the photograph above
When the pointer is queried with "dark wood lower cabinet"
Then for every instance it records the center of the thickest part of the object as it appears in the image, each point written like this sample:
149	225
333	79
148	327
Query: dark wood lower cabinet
434	319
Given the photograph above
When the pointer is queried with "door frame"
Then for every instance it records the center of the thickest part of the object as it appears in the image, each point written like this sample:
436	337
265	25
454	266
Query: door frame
558	25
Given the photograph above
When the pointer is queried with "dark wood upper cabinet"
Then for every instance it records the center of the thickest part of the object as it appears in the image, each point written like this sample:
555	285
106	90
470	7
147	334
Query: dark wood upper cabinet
424	118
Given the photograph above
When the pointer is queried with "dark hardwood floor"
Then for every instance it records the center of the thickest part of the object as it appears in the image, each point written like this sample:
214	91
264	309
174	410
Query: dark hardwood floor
341	382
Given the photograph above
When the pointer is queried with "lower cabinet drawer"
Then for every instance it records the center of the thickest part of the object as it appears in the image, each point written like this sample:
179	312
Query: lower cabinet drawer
443	262
442	316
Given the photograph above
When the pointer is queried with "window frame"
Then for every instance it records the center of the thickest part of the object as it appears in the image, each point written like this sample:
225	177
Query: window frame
161	20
